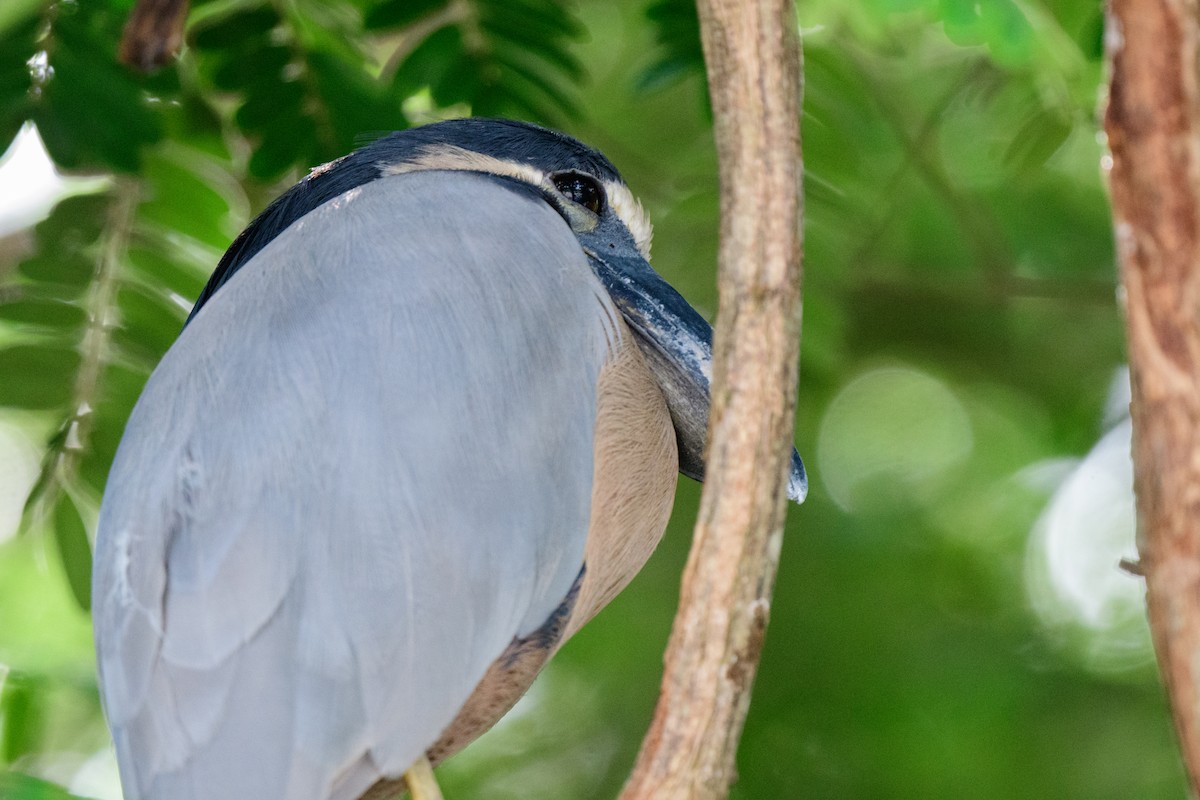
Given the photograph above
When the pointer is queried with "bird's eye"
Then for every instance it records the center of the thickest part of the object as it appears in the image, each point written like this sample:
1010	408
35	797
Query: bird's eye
580	188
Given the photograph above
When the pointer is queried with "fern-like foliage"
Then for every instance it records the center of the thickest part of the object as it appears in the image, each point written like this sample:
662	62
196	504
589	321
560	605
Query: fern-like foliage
677	33
494	56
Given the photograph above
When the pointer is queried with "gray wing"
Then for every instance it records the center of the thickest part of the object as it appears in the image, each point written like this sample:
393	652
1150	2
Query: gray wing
361	471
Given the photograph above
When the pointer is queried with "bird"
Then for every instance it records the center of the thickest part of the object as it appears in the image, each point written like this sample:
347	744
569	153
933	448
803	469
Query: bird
424	421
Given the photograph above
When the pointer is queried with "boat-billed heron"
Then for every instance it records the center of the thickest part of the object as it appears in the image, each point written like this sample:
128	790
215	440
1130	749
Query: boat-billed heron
424	421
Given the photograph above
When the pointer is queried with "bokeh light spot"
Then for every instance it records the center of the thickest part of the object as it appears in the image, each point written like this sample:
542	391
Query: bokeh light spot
1074	578
890	431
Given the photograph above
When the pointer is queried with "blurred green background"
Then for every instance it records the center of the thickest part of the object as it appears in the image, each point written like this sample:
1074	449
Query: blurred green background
950	620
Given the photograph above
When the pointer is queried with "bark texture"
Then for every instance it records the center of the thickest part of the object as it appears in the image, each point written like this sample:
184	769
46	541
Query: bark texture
752	51
153	34
1153	125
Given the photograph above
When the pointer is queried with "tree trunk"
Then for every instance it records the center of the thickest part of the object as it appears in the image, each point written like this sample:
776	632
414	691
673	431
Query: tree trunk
752	52
1153	125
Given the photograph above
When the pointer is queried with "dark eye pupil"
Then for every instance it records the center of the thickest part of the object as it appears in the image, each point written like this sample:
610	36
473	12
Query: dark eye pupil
581	189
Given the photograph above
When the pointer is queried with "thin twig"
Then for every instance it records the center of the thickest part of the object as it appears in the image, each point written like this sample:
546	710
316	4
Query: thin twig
411	37
753	59
70	443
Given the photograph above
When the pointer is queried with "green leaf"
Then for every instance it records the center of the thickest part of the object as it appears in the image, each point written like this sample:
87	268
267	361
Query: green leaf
120	388
37	376
326	33
74	550
354	102
461	83
150	320
43	313
21	720
507	99
92	112
286	142
261	66
69	270
547	19
152	265
66	241
15	786
179	200
664	73
237	29
429	62
677	31
514	73
1037	140
262	108
17	46
531	46
15	13
397	13
76	222
194	122
999	24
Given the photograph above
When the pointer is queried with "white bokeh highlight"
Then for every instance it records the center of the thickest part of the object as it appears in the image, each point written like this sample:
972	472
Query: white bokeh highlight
1087	528
29	183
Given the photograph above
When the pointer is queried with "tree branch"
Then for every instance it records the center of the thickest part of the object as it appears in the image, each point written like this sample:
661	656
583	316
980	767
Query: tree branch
752	52
153	34
1153	125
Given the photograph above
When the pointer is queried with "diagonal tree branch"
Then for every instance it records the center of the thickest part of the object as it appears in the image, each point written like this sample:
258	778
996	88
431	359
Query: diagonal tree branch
752	52
1153	125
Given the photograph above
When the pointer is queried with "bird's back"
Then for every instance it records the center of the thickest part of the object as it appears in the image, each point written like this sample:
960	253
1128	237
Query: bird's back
364	468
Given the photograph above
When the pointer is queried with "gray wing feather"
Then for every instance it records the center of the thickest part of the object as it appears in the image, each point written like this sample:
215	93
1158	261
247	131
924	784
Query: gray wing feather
361	471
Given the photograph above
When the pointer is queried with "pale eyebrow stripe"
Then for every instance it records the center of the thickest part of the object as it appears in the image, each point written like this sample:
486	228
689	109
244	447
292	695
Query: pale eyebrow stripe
452	157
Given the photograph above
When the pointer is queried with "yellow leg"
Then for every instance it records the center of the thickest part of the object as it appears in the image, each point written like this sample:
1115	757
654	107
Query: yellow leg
421	783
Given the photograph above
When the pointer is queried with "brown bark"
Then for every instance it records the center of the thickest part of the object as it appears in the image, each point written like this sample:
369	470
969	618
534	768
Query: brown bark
753	55
153	34
1153	125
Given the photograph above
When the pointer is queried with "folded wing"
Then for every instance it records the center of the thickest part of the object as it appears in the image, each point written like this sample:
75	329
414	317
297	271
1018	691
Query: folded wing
363	469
